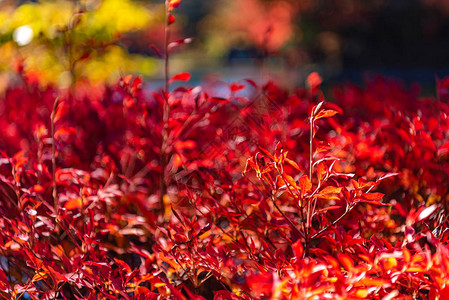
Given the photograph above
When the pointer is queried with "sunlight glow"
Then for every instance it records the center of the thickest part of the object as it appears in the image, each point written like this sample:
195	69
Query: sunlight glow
23	35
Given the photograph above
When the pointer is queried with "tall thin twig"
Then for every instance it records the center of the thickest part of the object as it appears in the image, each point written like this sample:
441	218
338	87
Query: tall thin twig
53	156
166	110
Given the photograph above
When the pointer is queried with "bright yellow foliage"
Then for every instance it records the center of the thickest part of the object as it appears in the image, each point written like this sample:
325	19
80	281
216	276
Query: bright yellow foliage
65	43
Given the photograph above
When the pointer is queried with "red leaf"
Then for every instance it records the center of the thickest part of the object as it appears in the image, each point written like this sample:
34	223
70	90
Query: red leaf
235	87
293	164
266	152
374	202
175	292
252	82
426	140
224	295
185	76
261	283
219	99
329	208
171	19
4	283
137	82
443	149
444	292
298	249
145	293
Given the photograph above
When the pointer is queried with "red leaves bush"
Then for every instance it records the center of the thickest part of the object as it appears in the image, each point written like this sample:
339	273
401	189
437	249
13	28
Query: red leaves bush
238	208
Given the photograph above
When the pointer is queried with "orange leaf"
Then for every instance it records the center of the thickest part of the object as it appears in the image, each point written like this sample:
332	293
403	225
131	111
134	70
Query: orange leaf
37	189
291	181
327	192
305	184
61	110
64	132
373	196
329	208
141	290
406	254
326	113
127	79
346	261
331	190
327	196
177	161
74	203
378	282
321	170
188	144
123	264
266	152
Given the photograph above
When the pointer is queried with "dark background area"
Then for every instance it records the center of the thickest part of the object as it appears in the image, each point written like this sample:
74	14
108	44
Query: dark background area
347	38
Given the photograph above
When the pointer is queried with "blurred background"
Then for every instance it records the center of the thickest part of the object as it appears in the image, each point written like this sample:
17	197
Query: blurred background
66	41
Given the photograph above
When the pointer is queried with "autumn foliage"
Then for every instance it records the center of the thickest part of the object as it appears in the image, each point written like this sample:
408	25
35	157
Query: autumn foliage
112	192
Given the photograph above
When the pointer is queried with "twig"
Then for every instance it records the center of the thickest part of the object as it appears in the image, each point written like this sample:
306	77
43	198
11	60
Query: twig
53	156
166	112
316	235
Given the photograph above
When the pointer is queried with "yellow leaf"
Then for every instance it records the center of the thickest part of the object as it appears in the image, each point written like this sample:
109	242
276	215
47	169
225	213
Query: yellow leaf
39	276
362	293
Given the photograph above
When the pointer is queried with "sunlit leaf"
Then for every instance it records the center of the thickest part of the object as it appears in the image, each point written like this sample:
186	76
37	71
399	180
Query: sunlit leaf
325	113
172	4
305	184
74	203
427	212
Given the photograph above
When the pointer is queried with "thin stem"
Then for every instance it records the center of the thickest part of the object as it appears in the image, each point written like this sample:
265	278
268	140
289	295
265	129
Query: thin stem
166	38
290	222
311	149
332	224
301	208
53	156
293	226
309	202
166	113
